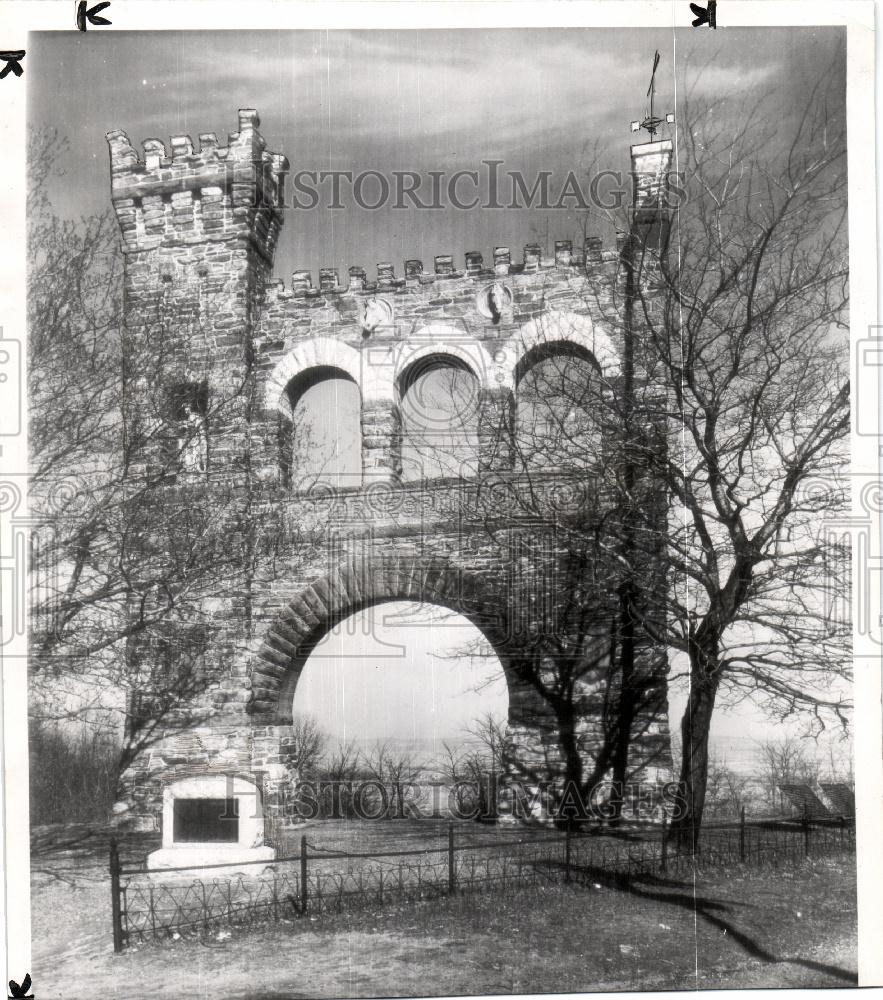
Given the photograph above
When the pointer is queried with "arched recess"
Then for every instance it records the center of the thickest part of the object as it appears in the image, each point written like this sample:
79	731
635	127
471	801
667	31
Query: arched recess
439	399
441	340
321	442
560	366
561	327
359	584
559	409
319	352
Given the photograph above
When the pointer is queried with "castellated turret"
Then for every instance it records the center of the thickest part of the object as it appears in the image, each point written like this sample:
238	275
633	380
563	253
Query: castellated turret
216	193
199	231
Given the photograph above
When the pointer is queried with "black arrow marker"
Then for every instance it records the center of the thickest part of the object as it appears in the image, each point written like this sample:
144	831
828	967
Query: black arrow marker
91	15
12	58
15	990
707	16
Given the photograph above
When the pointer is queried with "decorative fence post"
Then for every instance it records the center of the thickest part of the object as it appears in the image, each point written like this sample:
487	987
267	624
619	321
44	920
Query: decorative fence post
806	829
152	904
742	834
663	852
303	874
452	870
115	896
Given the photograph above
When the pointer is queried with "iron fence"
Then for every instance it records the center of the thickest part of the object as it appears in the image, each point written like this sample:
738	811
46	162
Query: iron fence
152	905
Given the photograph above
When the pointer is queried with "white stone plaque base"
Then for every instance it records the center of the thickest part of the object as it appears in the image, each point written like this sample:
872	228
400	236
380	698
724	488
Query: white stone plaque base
185	855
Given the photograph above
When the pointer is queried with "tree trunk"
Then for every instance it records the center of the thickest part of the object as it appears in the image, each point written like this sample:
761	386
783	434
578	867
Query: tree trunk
695	727
573	799
627	592
625	709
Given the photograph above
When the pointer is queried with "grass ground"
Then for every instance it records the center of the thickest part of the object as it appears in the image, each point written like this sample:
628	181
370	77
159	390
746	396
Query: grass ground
405	834
742	928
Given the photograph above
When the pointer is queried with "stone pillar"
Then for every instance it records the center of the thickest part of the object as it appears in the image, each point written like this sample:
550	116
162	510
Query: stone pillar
652	205
270	449
592	256
496	429
381	441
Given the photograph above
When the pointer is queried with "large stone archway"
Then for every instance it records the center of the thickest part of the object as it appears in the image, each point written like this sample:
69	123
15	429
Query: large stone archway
355	586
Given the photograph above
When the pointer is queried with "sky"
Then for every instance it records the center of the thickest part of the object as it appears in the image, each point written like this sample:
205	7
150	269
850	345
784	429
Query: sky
420	100
417	672
405	670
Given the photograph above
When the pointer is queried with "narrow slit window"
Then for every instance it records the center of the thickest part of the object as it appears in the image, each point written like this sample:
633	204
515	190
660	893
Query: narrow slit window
189	414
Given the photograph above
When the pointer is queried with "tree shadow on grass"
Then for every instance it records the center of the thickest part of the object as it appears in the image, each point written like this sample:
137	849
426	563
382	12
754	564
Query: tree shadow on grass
680	894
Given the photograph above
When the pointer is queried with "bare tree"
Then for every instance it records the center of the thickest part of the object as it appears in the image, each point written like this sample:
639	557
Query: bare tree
305	745
732	409
486	765
784	761
477	766
841	762
132	532
340	768
454	767
719	452
395	769
727	790
76	779
101	592
342	764
743	326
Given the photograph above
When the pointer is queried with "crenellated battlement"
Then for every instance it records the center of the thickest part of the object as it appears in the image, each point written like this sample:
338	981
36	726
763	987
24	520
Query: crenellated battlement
180	194
588	259
184	195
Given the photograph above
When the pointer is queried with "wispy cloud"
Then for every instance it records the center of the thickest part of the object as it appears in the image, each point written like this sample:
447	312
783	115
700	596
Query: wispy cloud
386	100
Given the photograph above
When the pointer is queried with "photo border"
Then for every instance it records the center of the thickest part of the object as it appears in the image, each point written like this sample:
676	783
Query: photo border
21	17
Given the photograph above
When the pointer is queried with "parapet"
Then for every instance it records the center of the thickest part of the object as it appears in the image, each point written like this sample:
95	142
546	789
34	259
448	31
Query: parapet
589	259
193	196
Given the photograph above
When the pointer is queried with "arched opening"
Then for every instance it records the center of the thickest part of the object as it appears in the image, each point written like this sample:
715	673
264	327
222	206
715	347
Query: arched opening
557	408
321	443
414	675
439	403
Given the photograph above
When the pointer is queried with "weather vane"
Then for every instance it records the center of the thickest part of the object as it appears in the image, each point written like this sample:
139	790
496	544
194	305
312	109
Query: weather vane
651	122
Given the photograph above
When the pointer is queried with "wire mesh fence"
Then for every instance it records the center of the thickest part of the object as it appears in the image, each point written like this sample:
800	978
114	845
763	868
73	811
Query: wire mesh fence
152	905
156	911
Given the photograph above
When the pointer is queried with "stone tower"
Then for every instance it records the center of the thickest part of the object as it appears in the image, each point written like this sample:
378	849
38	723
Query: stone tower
229	350
651	218
199	230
